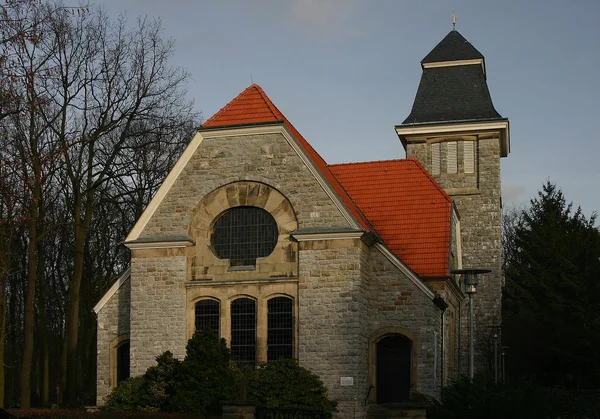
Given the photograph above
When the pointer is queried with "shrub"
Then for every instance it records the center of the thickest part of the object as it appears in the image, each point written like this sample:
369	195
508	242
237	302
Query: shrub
129	395
481	398
205	377
149	392
284	384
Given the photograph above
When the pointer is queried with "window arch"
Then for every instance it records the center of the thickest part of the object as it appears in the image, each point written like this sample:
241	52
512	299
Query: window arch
280	326
243	331
243	234
208	314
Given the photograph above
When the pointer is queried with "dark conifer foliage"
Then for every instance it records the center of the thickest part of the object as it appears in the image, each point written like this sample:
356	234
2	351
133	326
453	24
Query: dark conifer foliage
551	307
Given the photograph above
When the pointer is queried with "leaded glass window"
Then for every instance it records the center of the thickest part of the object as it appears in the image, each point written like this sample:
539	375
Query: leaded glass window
243	331
243	234
207	315
280	339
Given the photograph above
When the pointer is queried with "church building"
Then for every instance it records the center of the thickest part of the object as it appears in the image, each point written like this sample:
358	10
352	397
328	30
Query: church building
345	267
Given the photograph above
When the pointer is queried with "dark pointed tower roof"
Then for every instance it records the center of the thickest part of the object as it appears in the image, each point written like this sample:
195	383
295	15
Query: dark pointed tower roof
453	85
452	48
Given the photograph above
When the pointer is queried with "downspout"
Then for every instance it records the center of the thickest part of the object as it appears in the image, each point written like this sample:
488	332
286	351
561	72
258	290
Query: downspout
443	306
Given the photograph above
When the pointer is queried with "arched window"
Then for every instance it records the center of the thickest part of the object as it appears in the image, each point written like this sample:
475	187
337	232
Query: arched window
280	338
123	361
207	315
243	331
243	234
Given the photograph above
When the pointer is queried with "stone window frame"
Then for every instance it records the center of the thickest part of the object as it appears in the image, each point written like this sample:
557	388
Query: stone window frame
114	346
240	194
261	319
373	340
218	301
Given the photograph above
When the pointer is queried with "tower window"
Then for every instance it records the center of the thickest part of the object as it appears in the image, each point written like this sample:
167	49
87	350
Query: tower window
243	234
451	157
469	158
435	159
243	331
207	315
280	339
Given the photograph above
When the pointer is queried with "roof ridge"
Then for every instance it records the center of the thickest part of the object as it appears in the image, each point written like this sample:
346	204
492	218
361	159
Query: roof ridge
367	162
241	95
276	112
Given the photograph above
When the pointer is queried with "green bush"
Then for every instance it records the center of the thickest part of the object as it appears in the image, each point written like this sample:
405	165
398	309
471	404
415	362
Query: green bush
284	384
160	380
130	395
205	377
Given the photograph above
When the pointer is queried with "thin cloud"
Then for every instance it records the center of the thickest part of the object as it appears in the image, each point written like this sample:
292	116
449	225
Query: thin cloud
512	193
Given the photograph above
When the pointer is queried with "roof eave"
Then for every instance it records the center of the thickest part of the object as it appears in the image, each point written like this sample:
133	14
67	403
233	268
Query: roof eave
247	124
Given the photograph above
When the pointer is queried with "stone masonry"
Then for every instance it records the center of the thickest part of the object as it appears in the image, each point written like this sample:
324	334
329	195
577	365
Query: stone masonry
478	199
113	327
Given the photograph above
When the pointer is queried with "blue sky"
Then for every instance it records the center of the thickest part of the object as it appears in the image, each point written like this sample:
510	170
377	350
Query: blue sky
344	72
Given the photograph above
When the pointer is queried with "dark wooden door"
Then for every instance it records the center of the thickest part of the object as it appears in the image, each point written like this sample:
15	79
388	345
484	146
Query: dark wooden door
393	369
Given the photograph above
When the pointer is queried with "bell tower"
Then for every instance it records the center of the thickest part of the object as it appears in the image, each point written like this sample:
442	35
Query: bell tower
457	134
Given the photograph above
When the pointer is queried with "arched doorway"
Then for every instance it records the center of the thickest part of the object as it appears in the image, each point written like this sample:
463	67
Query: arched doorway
393	369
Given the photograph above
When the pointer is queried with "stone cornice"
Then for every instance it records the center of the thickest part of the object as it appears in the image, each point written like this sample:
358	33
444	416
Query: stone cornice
112	290
160	243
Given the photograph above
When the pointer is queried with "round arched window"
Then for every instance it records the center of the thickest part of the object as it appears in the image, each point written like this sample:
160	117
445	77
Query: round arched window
243	234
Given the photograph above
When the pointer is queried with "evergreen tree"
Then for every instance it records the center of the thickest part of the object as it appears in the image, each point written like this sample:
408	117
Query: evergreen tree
551	307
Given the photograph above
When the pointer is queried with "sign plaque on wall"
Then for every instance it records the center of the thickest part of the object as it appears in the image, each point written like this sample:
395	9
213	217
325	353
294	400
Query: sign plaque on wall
346	381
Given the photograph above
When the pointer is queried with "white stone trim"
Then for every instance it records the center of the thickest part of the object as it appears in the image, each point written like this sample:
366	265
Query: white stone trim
159	244
165	187
405	270
328	236
455	63
234	132
112	290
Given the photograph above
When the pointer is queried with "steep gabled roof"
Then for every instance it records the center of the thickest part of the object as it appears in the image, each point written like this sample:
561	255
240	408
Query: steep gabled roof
253	106
453	47
408	208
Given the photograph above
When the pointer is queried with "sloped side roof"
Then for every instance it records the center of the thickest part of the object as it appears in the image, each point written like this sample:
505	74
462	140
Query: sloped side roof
452	48
407	207
456	93
253	106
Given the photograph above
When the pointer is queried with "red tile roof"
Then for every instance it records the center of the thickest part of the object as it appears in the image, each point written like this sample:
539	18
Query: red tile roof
407	207
396	199
253	106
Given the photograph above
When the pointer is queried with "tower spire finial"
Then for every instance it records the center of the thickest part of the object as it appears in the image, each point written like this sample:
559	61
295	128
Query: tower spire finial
453	21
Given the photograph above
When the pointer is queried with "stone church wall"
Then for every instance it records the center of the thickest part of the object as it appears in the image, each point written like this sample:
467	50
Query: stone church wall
157	310
350	294
396	305
478	200
332	338
113	327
